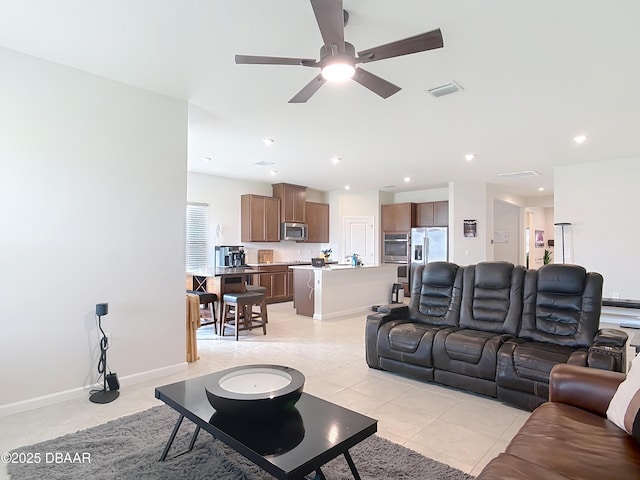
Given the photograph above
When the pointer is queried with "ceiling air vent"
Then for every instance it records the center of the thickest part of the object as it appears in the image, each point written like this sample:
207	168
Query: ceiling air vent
446	89
264	163
524	173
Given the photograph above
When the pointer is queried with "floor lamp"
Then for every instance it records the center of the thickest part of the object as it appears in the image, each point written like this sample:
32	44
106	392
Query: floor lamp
562	226
104	395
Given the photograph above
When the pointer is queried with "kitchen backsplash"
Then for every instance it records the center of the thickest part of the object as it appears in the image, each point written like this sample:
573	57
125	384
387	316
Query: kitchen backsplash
285	251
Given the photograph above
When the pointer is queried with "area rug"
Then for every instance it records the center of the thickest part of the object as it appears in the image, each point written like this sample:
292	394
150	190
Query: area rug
129	448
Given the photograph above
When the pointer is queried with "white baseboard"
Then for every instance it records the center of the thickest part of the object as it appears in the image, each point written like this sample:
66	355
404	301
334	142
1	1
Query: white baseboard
343	313
59	397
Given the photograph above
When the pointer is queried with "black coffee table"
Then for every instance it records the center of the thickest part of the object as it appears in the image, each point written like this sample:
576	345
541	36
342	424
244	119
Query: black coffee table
288	447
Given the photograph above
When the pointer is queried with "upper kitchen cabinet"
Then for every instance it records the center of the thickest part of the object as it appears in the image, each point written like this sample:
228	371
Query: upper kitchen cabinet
398	217
292	202
432	214
260	218
317	215
441	214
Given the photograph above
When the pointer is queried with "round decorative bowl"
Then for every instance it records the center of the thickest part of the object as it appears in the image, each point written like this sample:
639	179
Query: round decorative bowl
255	390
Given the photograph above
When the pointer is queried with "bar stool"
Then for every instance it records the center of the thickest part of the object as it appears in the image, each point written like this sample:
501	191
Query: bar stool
242	316
206	299
257	289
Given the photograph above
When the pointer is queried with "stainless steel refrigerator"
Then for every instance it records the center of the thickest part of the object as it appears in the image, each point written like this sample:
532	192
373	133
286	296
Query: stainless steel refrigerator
429	244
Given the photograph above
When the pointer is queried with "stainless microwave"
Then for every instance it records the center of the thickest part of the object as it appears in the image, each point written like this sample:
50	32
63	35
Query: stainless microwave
294	231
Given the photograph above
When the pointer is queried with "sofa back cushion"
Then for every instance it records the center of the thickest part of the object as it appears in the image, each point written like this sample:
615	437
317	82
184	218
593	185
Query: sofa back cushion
562	305
492	297
436	293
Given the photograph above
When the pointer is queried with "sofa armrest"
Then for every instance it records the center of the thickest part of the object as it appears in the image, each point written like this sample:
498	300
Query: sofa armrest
587	388
386	313
608	351
398	309
611	337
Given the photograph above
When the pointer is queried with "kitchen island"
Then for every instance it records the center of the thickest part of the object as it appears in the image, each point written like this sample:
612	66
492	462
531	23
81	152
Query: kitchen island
339	290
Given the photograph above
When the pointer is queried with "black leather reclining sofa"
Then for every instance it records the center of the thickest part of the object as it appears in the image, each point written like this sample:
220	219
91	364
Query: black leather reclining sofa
495	328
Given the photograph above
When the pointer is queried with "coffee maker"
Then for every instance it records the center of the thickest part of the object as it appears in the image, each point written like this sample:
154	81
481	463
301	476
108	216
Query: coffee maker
230	256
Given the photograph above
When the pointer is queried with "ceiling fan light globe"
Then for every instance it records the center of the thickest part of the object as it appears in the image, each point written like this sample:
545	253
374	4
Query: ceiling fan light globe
337	72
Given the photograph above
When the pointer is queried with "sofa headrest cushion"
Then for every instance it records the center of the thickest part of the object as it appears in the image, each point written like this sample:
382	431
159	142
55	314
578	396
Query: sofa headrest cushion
493	274
439	274
559	278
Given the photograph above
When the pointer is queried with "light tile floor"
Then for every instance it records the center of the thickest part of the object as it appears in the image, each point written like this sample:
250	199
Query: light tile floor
458	428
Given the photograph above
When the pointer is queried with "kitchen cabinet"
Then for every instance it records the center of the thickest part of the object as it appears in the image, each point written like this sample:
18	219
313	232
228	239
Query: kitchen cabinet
432	214
317	215
259	219
398	217
275	278
292	202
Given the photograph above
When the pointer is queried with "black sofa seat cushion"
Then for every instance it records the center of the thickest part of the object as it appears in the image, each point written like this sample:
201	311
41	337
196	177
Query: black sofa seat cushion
409	342
467	352
525	367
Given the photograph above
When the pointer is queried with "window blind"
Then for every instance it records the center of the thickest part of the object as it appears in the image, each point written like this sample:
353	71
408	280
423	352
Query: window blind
197	234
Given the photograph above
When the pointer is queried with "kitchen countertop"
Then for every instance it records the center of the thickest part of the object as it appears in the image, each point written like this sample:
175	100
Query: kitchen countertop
222	271
264	264
342	266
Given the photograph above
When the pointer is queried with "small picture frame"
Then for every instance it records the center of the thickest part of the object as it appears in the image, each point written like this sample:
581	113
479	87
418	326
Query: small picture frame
539	239
470	228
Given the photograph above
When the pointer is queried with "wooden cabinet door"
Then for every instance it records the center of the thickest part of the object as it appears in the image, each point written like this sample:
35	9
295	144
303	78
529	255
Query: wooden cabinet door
398	217
317	215
441	214
290	284
292	202
259	219
272	219
425	215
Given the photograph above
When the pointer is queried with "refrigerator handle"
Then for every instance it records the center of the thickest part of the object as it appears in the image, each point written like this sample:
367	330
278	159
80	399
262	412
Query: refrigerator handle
425	247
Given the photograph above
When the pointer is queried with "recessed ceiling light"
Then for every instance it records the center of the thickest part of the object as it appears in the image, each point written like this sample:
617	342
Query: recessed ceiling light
273	172
336	160
469	156
540	189
580	139
268	141
347	187
407	179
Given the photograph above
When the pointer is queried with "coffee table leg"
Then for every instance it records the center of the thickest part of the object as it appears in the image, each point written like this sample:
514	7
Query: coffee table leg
352	465
173	437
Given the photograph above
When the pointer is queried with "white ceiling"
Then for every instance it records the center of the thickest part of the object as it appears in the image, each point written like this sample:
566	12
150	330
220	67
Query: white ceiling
535	74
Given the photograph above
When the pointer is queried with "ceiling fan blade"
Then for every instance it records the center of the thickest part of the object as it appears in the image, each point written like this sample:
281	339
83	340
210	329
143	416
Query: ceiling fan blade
309	89
375	84
330	22
260	60
419	43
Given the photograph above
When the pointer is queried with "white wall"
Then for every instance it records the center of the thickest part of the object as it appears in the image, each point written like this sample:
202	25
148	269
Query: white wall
421	196
539	222
468	201
600	200
92	204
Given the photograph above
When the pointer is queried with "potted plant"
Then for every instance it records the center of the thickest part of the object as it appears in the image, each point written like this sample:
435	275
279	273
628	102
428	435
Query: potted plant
546	258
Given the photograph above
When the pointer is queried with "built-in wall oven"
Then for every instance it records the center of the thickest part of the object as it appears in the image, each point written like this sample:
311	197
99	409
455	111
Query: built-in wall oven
396	249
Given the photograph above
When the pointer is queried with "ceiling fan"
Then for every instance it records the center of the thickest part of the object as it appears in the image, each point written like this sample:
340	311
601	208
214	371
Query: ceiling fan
338	58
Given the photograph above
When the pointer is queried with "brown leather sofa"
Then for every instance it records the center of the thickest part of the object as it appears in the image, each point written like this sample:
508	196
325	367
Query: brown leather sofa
495	328
569	437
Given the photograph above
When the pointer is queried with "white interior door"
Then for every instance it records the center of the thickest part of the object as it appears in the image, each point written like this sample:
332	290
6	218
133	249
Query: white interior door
359	238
